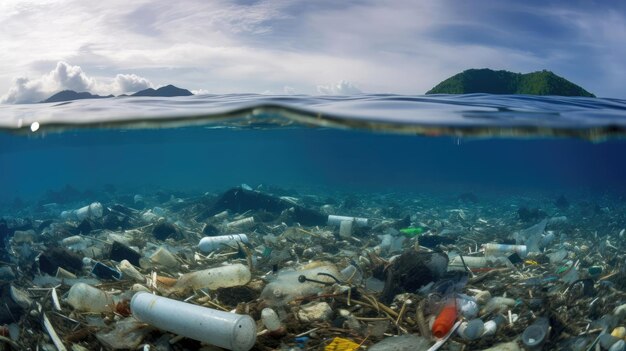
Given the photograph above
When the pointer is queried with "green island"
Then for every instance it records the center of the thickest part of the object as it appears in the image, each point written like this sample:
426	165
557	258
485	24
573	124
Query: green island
504	82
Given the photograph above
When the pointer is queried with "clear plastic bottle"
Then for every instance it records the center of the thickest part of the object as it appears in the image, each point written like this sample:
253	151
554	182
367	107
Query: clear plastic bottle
215	278
84	297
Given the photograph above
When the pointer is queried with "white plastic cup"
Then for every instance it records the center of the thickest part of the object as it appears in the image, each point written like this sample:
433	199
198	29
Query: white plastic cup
336	220
270	319
164	258
223	329
502	250
345	229
215	278
84	297
212	243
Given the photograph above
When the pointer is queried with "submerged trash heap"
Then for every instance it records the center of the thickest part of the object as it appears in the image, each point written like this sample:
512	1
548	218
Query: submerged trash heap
247	269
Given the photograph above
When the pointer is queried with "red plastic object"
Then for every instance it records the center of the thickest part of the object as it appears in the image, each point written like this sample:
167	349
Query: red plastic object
445	320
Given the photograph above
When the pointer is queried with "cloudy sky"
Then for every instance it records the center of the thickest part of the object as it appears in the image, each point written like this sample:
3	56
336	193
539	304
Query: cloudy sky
303	47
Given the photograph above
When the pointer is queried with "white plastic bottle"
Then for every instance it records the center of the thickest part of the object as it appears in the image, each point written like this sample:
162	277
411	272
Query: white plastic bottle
212	243
270	320
215	278
336	220
227	330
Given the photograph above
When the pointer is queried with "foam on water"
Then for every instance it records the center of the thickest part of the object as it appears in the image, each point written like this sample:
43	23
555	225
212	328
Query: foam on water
462	115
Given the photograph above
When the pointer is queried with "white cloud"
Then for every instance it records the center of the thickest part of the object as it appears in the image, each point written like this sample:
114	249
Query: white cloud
63	77
341	88
200	92
129	83
24	91
68	77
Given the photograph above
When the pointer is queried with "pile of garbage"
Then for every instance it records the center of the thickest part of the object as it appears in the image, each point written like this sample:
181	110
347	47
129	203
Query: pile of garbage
248	269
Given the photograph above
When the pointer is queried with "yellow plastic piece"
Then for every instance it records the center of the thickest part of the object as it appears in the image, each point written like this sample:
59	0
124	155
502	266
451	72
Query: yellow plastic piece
531	262
619	332
341	344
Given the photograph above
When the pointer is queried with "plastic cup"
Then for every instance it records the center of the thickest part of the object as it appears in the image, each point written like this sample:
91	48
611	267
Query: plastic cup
345	229
535	334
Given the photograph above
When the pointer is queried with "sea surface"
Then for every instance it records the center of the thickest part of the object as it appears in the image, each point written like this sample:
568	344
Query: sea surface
444	144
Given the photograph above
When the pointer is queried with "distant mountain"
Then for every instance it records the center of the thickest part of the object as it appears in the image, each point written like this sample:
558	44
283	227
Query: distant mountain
166	91
69	95
505	82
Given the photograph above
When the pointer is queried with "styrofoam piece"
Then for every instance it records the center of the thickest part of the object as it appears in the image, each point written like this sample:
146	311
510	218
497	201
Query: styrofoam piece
212	243
227	330
336	220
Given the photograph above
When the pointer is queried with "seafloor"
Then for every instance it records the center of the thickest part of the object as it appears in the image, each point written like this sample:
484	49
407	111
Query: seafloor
390	277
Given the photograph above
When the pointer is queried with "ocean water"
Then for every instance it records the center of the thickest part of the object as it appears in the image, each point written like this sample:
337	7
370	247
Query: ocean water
466	169
487	144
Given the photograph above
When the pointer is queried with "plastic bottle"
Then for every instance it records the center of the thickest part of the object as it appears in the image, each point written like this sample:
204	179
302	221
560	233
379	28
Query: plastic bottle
472	330
351	274
270	320
477	262
215	278
84	297
502	250
227	330
412	232
618	346
94	210
535	334
336	220
491	326
445	320
241	223
131	272
212	243
467	306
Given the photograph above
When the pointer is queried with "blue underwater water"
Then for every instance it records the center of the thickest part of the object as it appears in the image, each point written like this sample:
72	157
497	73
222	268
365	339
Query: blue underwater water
468	170
440	144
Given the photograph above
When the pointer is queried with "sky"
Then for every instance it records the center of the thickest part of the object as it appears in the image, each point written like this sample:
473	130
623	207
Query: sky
321	47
